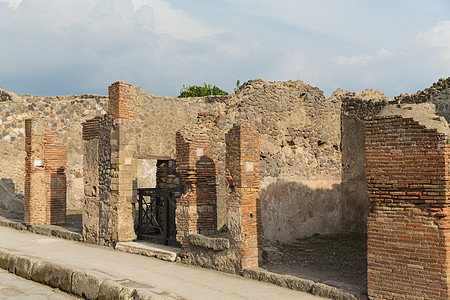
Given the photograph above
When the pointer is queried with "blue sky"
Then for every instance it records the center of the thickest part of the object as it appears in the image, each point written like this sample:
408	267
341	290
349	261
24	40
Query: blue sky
61	47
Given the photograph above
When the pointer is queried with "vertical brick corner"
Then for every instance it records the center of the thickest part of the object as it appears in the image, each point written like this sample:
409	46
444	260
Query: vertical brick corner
407	169
196	210
121	101
243	181
35	200
45	178
55	165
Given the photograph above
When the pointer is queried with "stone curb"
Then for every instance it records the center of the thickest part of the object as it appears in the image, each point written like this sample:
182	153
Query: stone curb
79	282
47	230
146	251
299	284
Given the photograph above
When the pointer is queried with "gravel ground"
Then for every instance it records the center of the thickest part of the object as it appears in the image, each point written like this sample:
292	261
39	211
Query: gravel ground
334	259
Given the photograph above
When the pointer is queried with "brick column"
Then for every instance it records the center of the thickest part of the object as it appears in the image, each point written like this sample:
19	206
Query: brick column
243	182
118	167
45	178
121	103
35	201
408	224
55	166
123	186
196	210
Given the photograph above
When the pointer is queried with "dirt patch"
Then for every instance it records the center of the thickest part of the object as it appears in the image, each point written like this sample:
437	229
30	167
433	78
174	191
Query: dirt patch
334	259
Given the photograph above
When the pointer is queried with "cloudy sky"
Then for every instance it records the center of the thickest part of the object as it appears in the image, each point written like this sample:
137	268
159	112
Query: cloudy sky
60	47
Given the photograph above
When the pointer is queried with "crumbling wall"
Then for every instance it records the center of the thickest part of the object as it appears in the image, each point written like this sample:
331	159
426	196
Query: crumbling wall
65	115
438	94
356	108
407	154
312	176
300	153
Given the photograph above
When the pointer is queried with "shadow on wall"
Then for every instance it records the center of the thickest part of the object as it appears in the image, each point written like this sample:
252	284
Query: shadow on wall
206	195
297	209
11	204
58	183
355	200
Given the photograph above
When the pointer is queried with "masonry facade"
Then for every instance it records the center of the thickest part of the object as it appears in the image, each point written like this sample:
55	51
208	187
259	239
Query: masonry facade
408	184
302	157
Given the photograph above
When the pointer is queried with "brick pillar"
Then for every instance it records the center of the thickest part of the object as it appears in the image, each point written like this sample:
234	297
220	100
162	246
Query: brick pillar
55	165
45	178
243	182
90	216
196	209
35	201
408	224
121	104
117	207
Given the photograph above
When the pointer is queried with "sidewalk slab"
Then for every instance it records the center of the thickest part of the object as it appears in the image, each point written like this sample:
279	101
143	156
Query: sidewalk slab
93	270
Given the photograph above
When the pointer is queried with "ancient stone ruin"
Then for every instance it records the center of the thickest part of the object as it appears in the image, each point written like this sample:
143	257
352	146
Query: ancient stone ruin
277	161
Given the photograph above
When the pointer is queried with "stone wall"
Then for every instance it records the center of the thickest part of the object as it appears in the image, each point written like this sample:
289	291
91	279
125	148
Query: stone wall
65	115
407	155
356	108
90	214
300	154
312	170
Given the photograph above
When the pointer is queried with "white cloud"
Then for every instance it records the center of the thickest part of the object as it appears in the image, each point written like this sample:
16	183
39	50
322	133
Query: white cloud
12	3
438	37
293	66
175	22
364	59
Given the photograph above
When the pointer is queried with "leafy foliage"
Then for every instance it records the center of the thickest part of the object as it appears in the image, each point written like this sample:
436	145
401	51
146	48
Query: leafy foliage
237	89
200	91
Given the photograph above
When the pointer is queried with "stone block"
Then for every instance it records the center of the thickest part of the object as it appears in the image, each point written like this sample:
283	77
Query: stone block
52	274
5	259
86	285
113	290
214	243
22	266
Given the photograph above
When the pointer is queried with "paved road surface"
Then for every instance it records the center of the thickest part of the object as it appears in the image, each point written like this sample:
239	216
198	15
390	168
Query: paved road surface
14	287
175	279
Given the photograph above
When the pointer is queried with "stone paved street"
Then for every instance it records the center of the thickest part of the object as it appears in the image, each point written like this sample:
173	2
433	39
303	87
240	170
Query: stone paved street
15	287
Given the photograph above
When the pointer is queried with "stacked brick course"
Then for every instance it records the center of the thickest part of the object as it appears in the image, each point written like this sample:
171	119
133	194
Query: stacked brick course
243	203
121	104
45	178
55	165
35	201
196	210
409	220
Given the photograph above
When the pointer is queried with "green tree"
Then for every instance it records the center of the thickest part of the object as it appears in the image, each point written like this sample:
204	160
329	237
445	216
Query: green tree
200	91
